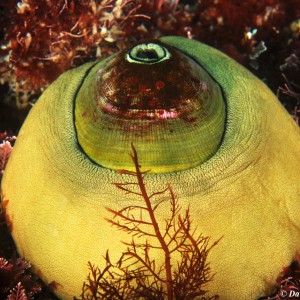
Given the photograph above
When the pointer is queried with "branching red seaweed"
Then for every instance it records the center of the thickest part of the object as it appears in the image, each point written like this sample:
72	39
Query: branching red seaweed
42	38
137	275
15	280
6	144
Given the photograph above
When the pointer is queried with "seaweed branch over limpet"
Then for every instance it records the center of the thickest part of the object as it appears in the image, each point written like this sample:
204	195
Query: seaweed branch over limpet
137	274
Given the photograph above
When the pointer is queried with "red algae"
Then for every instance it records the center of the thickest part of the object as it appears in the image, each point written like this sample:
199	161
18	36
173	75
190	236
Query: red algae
43	39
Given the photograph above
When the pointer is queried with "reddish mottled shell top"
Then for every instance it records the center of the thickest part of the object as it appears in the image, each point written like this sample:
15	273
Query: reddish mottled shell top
142	84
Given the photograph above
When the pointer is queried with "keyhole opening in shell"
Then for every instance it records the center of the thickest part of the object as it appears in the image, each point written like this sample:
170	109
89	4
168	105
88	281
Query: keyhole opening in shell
149	53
